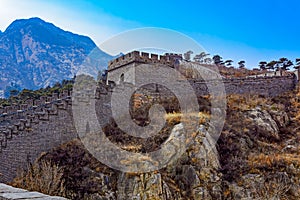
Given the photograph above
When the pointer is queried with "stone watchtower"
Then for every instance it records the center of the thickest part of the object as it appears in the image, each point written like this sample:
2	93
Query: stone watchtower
121	69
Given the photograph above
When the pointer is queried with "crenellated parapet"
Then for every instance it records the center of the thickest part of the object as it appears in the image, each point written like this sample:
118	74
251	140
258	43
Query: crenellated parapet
28	129
144	58
15	119
35	113
31	105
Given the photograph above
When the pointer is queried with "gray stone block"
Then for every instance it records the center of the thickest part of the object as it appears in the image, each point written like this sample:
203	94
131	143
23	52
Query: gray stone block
11	193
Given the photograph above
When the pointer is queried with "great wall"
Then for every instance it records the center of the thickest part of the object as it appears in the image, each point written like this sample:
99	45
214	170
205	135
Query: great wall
37	126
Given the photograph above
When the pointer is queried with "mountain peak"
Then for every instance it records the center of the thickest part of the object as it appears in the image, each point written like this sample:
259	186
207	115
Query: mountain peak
32	19
35	53
19	23
36	19
47	32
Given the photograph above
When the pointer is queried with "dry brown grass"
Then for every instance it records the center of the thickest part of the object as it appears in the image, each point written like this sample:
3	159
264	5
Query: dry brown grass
131	147
246	102
43	177
262	160
296	105
175	118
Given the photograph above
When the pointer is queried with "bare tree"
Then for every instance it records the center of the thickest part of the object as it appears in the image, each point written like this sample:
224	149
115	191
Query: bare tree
297	65
271	65
228	63
241	64
262	65
207	60
217	59
187	55
200	57
285	63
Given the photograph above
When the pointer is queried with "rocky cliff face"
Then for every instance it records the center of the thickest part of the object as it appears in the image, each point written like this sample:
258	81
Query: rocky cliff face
259	151
35	54
194	176
256	157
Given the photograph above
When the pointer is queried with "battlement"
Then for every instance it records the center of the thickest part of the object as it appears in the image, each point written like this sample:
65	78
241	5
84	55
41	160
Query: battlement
31	104
143	58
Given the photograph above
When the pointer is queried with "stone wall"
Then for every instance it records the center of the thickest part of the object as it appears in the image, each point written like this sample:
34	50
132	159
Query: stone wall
125	65
143	57
127	71
266	86
28	130
10	193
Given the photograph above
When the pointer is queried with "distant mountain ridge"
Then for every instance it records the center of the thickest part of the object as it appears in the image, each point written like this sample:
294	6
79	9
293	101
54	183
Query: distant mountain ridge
35	54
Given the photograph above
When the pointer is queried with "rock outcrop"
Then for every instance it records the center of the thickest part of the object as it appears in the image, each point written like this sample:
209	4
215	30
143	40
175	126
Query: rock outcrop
259	152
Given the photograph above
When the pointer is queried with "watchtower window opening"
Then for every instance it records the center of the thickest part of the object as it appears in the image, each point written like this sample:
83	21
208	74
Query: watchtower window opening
122	78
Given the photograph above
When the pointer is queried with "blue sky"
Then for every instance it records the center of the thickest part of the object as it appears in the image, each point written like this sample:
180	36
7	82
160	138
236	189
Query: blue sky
238	30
